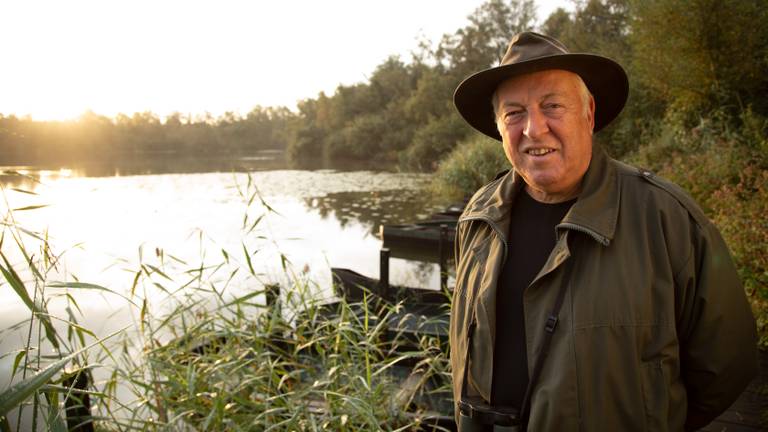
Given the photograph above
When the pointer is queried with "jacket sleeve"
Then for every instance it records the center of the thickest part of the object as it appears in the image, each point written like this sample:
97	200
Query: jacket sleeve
717	330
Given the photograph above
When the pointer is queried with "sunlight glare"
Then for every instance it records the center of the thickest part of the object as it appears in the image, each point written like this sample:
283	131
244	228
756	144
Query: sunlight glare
65	58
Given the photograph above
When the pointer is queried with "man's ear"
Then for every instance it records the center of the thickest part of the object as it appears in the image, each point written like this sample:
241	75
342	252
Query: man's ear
591	114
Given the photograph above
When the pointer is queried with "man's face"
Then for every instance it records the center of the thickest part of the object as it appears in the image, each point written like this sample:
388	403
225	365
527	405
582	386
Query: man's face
546	127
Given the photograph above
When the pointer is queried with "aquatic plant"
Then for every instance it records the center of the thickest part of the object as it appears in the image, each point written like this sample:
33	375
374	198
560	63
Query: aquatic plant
214	345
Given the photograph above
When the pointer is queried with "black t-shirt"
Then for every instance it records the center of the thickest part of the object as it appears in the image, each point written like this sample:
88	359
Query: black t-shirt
531	239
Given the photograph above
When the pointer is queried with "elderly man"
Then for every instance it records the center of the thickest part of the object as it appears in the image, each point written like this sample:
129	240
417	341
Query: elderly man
590	295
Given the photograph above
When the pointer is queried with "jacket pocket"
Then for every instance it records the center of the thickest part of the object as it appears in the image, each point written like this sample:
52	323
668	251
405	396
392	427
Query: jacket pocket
655	396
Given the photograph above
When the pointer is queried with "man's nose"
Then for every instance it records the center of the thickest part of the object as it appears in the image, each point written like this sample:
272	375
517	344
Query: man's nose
536	125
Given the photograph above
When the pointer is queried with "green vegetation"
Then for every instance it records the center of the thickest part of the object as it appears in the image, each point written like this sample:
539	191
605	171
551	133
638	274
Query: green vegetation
206	353
472	164
95	137
697	114
725	168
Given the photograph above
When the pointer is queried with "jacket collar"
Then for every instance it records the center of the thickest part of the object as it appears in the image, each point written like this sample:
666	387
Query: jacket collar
594	213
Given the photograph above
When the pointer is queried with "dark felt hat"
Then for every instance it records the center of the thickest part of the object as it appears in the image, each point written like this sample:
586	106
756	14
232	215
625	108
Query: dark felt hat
532	52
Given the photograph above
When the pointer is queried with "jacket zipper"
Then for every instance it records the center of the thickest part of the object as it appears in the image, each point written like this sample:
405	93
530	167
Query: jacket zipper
600	239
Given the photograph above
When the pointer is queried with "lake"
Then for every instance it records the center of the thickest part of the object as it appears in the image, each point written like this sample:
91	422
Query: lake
105	220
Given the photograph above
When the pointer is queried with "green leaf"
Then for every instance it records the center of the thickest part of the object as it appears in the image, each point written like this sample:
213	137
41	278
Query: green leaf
158	271
13	279
242	299
135	282
20	391
86	285
143	313
256	222
284	261
32	207
16	361
248	260
74	302
55	422
23	191
177	259
31	234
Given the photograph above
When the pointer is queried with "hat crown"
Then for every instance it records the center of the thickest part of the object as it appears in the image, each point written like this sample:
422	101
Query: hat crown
529	45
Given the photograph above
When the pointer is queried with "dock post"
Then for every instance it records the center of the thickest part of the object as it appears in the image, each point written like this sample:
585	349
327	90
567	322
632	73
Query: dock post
272	295
77	407
443	261
383	272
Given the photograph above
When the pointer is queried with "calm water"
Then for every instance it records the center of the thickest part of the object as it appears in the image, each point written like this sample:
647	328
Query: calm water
103	220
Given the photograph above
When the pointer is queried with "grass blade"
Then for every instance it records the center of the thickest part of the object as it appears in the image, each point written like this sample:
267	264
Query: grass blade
20	391
85	285
18	286
32	207
248	260
23	191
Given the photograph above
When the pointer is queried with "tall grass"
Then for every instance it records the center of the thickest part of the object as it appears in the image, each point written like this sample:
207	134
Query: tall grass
205	352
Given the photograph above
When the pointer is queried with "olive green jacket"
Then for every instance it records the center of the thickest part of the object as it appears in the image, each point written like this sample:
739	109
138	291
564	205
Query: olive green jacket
655	328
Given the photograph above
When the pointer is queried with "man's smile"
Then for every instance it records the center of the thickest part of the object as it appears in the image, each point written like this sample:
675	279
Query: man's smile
539	151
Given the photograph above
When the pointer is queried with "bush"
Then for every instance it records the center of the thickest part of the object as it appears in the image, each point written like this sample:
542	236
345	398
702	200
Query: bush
433	141
722	163
475	162
739	211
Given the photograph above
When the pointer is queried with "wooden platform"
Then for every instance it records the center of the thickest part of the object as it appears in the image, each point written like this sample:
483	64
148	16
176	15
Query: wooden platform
750	412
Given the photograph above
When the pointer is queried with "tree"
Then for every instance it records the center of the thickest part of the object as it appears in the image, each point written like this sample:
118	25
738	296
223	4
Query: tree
714	55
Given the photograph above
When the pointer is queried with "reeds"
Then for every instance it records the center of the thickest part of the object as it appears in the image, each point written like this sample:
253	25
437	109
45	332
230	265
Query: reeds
204	355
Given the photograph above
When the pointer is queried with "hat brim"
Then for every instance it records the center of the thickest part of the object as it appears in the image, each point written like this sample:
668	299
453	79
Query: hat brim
605	79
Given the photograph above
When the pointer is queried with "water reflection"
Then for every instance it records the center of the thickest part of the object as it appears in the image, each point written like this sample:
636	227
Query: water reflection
376	208
100	216
24	176
112	207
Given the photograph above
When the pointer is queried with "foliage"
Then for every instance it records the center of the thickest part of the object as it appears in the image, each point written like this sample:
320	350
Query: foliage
404	114
40	376
473	163
95	137
739	211
725	171
206	356
713	54
433	141
322	369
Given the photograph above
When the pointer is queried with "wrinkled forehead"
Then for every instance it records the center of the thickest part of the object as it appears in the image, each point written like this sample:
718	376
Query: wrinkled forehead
539	84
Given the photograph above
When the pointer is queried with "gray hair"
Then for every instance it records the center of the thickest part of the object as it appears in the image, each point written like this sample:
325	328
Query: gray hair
583	90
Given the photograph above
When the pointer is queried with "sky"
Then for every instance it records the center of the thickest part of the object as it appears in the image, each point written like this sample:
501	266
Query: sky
62	58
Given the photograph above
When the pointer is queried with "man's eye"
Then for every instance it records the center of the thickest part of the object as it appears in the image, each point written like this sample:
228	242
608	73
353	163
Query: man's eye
553	106
514	113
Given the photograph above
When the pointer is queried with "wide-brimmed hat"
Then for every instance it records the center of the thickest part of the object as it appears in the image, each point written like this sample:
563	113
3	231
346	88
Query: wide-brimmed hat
532	52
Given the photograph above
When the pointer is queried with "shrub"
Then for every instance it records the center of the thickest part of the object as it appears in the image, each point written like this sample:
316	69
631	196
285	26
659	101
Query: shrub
433	141
739	211
722	163
472	164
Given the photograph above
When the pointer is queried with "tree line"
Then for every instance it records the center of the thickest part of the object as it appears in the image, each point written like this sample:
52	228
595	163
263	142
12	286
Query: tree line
686	60
96	137
697	112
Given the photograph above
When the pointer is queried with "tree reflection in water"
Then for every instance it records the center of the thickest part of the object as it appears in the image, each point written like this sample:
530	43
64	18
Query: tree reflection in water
373	209
377	208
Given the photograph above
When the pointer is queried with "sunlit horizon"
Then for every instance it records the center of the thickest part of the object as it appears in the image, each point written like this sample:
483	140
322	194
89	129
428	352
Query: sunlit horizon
198	59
